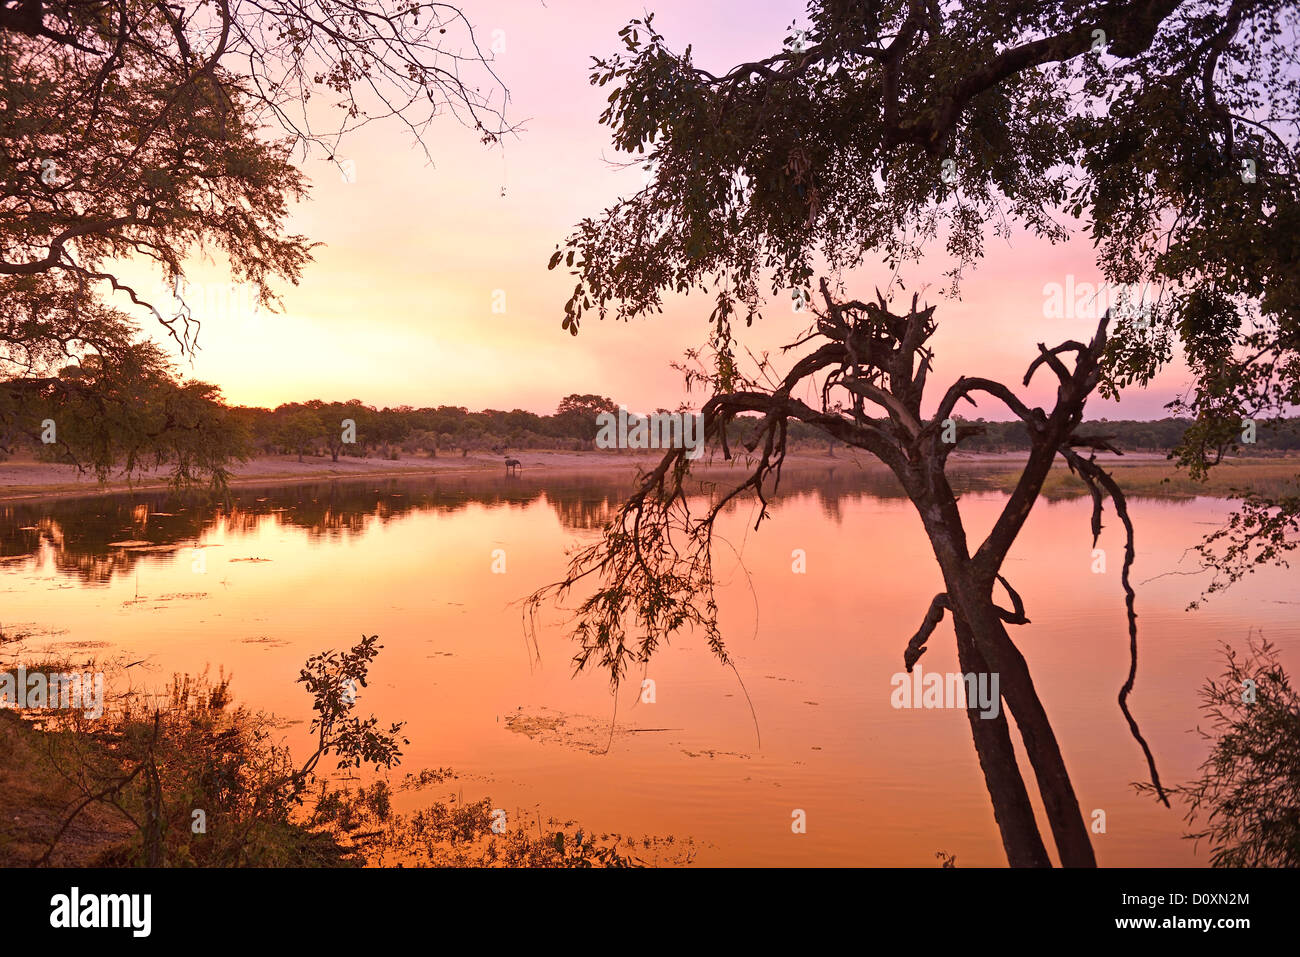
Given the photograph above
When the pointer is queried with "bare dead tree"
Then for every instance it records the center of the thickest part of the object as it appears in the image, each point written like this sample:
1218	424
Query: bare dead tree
652	573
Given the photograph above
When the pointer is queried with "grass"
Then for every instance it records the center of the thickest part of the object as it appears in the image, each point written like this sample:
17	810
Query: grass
1147	478
34	797
122	790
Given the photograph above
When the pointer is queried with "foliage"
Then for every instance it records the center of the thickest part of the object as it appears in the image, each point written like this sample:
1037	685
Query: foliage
333	678
1264	530
74	371
882	131
154	132
1167	130
155	762
1247	799
315	428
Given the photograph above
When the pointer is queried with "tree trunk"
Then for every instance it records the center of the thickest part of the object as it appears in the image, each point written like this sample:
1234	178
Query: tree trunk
1011	806
976	621
1069	830
989	635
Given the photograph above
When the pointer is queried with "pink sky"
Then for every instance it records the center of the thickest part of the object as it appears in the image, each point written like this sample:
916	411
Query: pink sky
397	307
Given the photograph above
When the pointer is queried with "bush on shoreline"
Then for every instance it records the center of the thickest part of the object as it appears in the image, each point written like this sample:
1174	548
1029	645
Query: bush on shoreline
188	778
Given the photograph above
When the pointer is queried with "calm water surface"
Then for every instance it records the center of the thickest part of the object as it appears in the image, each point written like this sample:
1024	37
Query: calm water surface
287	571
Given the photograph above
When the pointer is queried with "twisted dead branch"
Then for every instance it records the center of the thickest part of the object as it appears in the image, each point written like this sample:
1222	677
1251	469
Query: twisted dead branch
652	568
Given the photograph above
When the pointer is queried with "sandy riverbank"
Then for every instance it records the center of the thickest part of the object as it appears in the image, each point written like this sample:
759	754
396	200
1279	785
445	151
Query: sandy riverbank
27	478
22	478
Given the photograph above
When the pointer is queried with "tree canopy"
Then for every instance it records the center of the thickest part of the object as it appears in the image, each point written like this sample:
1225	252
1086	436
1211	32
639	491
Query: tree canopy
156	132
1164	129
905	130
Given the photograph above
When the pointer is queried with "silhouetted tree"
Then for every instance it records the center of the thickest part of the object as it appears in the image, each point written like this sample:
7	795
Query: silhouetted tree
1167	125
135	129
887	127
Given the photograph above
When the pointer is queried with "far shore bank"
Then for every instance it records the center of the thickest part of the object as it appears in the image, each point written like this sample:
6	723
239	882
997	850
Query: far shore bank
26	479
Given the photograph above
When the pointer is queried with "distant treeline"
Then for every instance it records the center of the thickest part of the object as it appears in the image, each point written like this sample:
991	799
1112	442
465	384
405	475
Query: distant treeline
355	429
1131	435
314	427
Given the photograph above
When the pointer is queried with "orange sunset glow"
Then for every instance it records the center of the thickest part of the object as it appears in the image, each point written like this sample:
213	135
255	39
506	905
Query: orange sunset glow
413	254
714	436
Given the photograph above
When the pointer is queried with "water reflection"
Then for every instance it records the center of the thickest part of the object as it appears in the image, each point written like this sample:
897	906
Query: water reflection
295	569
95	537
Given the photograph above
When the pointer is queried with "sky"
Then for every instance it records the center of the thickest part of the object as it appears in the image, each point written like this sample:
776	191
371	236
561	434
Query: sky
397	308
